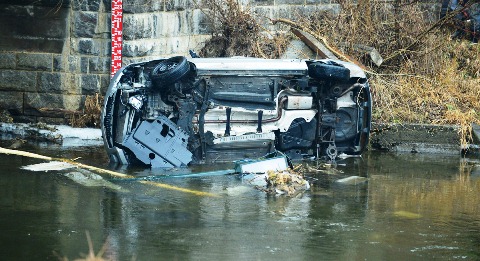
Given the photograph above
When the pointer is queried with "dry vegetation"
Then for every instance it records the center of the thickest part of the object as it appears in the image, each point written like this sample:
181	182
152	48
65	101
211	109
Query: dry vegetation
90	116
425	77
236	32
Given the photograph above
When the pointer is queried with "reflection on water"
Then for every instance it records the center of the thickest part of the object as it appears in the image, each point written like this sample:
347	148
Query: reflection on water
414	207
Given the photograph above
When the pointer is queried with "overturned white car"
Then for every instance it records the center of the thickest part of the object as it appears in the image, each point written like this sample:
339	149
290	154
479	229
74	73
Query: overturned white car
178	111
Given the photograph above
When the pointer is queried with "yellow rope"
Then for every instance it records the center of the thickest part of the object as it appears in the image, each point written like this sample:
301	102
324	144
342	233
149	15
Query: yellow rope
100	170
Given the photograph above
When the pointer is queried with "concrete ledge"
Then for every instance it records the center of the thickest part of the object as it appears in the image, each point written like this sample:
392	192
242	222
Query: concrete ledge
415	138
59	134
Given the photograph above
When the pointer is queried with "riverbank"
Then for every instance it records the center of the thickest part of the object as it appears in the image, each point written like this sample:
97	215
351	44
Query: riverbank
414	138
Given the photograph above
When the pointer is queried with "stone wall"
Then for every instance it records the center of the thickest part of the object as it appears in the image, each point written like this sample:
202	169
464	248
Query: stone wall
53	53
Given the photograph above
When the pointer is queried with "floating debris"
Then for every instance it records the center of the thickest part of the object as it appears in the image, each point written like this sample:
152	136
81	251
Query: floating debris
346	156
323	168
278	182
406	214
90	179
352	180
17	143
48	166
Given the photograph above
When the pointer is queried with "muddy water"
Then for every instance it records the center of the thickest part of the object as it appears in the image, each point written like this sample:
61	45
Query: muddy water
412	208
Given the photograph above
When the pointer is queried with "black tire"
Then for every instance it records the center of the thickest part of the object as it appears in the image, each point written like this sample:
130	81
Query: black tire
329	71
170	70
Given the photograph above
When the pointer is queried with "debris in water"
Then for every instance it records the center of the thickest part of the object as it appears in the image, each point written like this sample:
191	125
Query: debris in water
346	156
17	143
278	182
48	166
90	179
323	168
406	214
352	180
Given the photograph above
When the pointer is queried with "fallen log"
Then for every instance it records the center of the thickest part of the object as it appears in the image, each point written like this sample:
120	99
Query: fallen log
313	44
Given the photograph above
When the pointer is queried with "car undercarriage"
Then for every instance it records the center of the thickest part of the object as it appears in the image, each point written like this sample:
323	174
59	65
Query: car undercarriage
178	111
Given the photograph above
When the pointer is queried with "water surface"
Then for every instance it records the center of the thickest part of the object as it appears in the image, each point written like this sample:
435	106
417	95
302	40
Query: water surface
414	207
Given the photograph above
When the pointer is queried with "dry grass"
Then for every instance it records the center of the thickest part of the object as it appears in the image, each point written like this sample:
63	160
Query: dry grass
236	32
426	77
90	116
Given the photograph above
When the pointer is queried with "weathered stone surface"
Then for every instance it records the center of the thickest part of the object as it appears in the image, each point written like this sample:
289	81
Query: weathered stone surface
35	61
415	138
104	82
61	83
90	84
90	5
263	2
66	63
84	64
18	34
13	101
84	24
143	6
99	65
49	3
140	48
179	5
8	61
137	26
200	22
37	103
88	46
50	83
58	63
18	80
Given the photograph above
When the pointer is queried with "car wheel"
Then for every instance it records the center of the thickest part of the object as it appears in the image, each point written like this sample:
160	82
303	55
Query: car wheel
170	70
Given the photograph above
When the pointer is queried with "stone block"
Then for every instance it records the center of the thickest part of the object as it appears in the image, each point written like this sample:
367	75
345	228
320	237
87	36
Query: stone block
11	101
90	83
66	63
8	61
143	6
139	26
99	65
50	83
84	64
263	2
35	61
178	5
200	22
18	80
88	46
84	24
58	63
139	48
90	5
289	2
38	104
104	83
